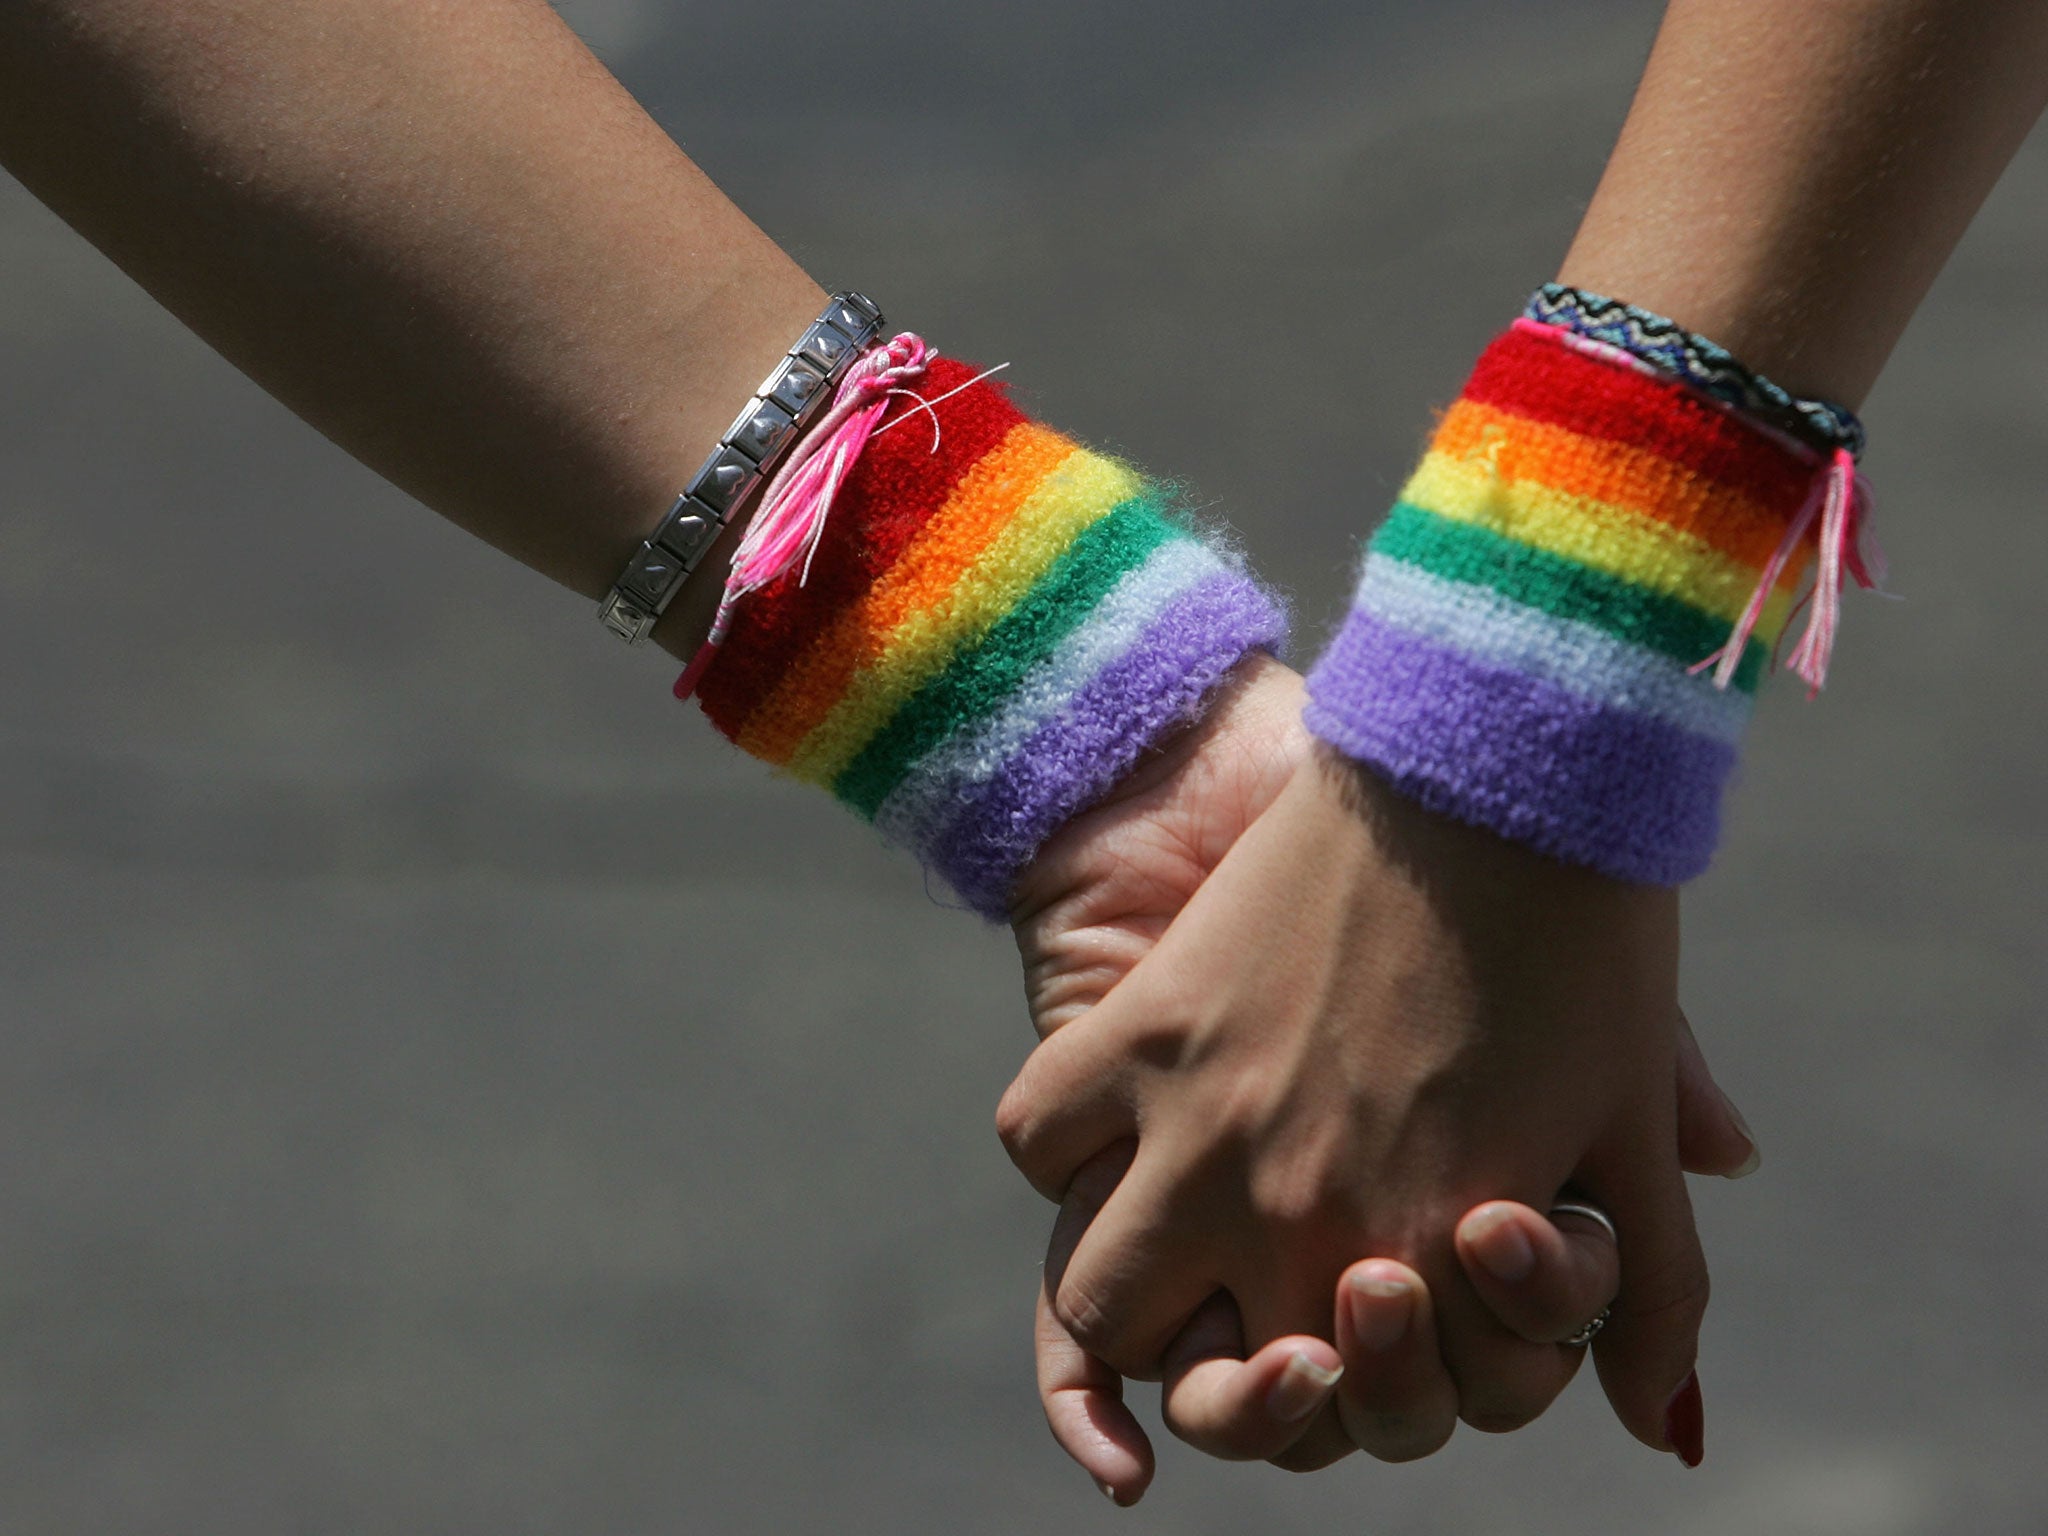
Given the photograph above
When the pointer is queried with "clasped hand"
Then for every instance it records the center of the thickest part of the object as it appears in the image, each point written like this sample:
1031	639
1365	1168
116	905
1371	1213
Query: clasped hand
1315	1066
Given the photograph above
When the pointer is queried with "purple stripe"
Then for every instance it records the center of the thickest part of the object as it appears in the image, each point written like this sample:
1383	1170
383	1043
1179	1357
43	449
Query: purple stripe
1074	758
1632	796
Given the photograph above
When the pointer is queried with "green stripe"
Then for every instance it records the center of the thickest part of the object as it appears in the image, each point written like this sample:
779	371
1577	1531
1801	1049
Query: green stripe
979	679
1562	588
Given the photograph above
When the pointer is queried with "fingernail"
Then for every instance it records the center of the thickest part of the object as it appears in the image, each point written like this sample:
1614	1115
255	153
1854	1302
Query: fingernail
1380	1309
1108	1492
1685	1422
1302	1388
1755	1160
1497	1242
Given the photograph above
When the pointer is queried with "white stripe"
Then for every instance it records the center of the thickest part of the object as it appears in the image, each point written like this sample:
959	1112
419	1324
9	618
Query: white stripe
1583	658
924	801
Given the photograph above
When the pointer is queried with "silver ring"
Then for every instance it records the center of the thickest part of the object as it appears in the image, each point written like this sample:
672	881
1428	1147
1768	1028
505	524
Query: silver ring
1585	1335
1590	1212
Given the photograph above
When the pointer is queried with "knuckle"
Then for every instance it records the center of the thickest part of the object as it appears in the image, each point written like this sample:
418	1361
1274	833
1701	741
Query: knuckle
1028	1128
1672	1295
1017	1122
1398	1437
1084	1317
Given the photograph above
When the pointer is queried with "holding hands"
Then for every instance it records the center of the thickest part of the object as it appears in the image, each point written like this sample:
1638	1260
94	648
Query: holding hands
1362	1086
1316	1062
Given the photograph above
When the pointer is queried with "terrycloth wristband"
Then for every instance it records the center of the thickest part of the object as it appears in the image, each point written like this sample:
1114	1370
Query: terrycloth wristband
989	635
1523	648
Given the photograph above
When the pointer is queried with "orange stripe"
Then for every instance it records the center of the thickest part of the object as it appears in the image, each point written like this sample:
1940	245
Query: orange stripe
1521	449
981	503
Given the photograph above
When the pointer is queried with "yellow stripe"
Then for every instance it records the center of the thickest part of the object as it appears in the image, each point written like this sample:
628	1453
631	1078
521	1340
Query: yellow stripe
1600	535
974	513
1081	491
1727	520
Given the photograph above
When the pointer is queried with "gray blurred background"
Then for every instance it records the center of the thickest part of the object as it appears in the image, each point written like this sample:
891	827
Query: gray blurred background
396	1136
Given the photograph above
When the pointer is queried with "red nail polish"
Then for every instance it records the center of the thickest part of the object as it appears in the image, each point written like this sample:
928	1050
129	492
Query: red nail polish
1685	1422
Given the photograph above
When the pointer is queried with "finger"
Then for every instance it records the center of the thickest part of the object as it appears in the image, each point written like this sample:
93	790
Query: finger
1238	1409
1132	1277
1082	1397
1084	1407
1504	1381
1396	1401
1065	1105
1713	1138
1087	1193
1285	1305
1646	1353
1542	1277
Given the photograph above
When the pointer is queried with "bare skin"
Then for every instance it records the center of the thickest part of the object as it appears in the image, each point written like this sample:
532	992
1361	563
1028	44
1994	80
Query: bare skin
1792	178
441	233
1103	895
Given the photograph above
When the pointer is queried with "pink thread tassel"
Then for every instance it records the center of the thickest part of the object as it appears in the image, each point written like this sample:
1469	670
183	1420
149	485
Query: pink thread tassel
1841	501
798	499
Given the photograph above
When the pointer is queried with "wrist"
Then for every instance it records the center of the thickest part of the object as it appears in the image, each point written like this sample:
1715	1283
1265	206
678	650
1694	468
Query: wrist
654	543
1496	887
1587	534
1255	711
994	626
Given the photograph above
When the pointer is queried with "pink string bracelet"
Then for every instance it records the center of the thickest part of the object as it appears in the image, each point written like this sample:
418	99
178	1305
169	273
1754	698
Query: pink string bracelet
1840	499
798	499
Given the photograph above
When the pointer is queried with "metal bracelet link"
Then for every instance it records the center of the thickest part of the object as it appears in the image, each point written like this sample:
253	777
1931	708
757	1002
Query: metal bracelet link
789	399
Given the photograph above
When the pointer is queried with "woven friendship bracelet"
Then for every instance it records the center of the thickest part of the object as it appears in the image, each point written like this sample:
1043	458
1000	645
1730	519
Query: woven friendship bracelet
994	624
1526	647
789	399
1699	362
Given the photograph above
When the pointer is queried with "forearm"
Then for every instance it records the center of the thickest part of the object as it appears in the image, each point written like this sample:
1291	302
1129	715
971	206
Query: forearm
1558	632
442	234
1791	178
448	239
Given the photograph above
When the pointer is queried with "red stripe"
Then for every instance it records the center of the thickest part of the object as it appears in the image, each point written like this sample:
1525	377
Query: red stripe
1529	374
893	491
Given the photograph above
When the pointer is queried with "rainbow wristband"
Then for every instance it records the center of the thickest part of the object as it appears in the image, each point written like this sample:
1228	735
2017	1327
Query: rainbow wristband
989	636
1523	651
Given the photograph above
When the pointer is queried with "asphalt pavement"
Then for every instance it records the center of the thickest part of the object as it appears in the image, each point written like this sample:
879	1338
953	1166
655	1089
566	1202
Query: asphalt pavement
444	1089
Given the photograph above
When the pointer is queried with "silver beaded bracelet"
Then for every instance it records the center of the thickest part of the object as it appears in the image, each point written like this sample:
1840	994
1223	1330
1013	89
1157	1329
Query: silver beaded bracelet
788	400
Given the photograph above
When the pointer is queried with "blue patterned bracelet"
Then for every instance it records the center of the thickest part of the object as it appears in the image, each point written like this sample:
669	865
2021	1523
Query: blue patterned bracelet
1664	343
